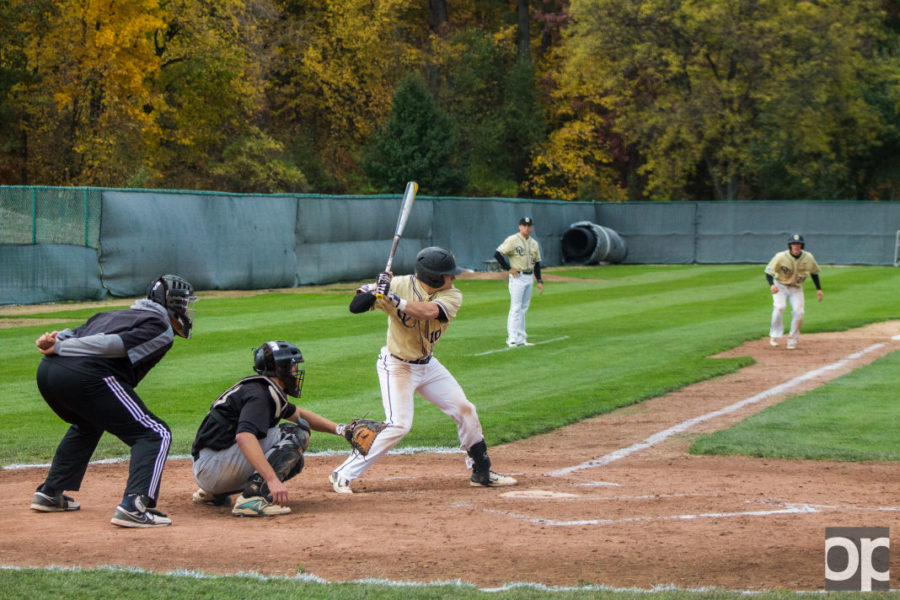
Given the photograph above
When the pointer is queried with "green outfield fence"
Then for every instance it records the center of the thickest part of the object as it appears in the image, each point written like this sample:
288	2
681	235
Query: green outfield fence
85	243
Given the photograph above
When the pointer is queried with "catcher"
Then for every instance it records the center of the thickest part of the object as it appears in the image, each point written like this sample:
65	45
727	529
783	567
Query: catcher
240	446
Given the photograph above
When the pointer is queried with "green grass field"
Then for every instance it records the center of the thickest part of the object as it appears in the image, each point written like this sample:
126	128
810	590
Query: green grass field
615	336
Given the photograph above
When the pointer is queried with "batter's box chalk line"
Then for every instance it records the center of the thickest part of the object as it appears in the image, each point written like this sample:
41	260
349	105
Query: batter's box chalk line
788	509
507	349
686	425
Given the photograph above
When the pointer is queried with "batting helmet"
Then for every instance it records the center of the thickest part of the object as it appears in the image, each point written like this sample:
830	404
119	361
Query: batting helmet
796	238
175	295
433	263
280	359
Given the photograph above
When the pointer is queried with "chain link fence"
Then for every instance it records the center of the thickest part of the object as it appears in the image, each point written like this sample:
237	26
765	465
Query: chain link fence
45	215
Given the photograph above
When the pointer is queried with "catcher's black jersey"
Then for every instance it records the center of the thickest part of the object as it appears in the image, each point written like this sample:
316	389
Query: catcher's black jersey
145	333
254	404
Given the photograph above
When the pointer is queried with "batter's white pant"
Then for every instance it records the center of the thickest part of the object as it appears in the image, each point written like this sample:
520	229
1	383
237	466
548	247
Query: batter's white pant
794	293
519	299
227	471
399	381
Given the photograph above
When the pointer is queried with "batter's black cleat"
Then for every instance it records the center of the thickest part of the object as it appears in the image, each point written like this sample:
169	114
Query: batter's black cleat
490	479
59	502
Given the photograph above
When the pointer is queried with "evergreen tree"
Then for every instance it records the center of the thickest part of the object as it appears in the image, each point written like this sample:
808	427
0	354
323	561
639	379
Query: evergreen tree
418	143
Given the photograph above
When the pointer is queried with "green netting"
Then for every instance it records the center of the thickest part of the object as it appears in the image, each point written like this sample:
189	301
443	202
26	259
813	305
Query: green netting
45	215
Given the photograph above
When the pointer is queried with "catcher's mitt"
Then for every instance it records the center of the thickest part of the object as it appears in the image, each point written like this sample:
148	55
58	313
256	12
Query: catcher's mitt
361	433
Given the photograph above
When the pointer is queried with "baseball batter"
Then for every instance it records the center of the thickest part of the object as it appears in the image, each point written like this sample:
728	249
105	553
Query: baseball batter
420	308
524	266
785	274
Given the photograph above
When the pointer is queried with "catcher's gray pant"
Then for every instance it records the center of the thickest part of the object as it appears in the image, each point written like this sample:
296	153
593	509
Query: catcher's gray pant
794	293
520	288
227	471
399	381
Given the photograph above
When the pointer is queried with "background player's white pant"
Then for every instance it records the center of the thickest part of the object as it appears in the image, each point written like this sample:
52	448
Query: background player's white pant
519	299
399	380
794	293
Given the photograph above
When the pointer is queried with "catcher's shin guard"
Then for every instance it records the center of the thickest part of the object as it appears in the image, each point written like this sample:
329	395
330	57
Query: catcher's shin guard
481	468
286	458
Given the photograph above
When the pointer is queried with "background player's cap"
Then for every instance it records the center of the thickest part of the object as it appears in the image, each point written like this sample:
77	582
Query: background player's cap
526	221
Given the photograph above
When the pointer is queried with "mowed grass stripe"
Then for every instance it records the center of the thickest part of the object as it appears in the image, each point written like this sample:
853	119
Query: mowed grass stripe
634	332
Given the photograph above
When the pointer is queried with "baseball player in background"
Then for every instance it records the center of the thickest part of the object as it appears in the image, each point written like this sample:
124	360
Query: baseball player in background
88	376
785	274
240	445
524	266
420	307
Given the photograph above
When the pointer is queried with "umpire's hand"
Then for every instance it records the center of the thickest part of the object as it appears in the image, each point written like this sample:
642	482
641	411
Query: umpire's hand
47	343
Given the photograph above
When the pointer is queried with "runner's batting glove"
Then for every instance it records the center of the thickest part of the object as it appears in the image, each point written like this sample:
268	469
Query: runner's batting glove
382	284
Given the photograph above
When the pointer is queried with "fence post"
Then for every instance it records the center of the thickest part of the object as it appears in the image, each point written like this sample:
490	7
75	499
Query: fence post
33	215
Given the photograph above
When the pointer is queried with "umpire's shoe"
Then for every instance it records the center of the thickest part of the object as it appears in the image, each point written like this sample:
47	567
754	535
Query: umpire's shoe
133	512
257	506
58	502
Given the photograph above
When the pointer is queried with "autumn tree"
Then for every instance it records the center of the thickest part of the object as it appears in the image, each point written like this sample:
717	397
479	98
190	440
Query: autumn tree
336	64
87	113
712	91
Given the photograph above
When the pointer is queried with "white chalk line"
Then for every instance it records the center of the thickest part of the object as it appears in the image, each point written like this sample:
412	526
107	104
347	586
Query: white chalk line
310	578
787	508
507	349
122	459
685	425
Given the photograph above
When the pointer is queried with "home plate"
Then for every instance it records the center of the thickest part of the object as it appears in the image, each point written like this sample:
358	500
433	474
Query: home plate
537	494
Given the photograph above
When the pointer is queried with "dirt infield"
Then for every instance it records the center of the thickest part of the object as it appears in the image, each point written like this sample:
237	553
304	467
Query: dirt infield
648	515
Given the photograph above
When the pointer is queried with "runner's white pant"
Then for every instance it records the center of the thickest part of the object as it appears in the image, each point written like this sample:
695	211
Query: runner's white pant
519	299
399	381
794	293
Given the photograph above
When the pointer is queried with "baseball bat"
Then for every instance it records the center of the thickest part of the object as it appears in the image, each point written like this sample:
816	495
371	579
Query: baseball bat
409	196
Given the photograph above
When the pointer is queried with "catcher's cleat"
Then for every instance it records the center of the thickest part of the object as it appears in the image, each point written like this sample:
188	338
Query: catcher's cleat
791	345
201	496
59	502
139	518
773	342
257	506
491	479
340	485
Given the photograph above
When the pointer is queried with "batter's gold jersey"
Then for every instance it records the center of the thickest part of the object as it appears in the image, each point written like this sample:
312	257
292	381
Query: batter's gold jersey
409	338
787	270
522	253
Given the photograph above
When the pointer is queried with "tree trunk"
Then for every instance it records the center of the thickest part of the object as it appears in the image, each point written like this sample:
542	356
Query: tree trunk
523	38
437	14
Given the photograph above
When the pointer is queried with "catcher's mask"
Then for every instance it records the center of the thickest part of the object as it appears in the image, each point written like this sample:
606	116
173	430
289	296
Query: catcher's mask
433	263
796	239
177	296
280	359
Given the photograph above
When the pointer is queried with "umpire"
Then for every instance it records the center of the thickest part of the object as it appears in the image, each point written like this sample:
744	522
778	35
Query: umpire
88	376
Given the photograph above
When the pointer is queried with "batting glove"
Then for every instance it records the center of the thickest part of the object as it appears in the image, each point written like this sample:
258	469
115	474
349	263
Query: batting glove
383	284
395	301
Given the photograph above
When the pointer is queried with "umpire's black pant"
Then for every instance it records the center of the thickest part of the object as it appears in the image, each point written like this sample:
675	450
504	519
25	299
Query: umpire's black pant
94	404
